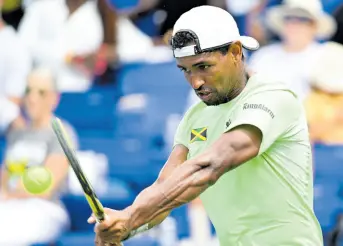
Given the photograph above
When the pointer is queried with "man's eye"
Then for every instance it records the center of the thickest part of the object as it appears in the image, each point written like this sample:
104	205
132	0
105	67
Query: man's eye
203	67
184	70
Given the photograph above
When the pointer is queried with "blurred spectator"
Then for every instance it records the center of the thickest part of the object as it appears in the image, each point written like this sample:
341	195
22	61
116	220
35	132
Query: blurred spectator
173	11
248	15
59	34
14	64
136	46
324	105
338	15
14	68
299	24
124	42
102	61
25	218
12	12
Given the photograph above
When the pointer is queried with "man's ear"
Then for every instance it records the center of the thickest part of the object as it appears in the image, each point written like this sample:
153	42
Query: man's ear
236	50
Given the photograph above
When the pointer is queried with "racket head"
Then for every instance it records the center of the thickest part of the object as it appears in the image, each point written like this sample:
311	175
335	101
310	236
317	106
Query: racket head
93	201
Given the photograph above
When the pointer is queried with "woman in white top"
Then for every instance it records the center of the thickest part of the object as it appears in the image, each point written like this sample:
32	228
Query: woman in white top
56	30
299	24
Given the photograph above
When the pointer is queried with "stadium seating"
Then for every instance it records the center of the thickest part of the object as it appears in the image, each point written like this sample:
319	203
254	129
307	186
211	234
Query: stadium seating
123	4
129	158
328	183
93	110
181	216
331	5
118	197
2	149
161	79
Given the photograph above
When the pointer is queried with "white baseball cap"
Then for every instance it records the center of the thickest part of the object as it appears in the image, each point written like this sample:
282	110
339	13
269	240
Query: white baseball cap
212	28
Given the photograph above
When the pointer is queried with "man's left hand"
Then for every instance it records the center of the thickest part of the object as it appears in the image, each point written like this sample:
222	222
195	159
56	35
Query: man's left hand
114	229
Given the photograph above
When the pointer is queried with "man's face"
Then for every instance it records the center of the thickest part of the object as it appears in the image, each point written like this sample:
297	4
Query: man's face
214	76
40	97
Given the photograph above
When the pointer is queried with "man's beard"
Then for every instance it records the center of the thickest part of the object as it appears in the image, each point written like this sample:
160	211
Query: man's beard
221	98
216	99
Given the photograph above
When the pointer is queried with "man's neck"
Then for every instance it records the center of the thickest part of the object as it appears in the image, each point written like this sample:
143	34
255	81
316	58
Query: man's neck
239	87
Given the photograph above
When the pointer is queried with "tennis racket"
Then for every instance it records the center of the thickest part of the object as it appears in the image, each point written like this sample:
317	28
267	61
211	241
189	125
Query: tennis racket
92	199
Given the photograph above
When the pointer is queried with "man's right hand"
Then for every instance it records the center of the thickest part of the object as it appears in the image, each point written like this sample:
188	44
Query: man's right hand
98	242
115	228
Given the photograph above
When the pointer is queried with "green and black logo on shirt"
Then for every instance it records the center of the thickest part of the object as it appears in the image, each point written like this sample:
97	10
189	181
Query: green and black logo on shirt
199	134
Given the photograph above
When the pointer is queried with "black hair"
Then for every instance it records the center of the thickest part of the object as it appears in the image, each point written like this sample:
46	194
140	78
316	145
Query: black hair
185	38
338	15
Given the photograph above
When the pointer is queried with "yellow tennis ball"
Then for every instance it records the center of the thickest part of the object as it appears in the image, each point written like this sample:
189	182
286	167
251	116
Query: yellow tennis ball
37	180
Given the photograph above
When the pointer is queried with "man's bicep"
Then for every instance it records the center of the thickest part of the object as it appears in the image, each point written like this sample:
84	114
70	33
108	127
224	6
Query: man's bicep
176	158
235	147
271	112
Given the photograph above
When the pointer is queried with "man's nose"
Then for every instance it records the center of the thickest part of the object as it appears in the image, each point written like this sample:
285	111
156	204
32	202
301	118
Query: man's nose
196	82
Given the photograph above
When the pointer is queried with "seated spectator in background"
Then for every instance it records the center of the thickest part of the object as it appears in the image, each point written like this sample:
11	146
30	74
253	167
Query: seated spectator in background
14	68
15	63
299	24
324	106
27	219
124	42
338	15
58	33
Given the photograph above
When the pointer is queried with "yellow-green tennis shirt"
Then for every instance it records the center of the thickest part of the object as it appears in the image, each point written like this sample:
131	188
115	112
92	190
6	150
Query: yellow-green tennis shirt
269	199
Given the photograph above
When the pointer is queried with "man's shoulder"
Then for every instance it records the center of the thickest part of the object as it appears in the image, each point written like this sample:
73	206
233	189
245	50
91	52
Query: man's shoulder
262	83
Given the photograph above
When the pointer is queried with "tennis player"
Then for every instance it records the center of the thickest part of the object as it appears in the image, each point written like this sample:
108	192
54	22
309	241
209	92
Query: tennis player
244	149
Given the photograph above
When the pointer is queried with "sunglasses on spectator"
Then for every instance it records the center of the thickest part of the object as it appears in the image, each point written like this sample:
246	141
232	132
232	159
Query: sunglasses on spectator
298	19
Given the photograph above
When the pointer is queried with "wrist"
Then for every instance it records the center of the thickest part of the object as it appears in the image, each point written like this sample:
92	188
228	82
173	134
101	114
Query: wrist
135	225
130	211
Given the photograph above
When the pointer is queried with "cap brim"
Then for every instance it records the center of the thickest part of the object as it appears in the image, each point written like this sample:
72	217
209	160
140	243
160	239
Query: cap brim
326	25
249	43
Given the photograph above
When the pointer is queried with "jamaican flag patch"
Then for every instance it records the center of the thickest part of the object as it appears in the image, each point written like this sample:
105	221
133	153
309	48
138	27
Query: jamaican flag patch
199	134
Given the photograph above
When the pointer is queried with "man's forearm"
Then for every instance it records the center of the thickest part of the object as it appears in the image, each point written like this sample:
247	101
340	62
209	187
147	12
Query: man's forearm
186	183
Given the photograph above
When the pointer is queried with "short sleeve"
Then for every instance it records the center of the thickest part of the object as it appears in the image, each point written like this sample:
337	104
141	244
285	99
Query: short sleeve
181	136
272	112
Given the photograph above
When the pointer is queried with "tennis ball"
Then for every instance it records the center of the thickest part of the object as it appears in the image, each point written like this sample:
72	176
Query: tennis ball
37	180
